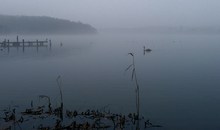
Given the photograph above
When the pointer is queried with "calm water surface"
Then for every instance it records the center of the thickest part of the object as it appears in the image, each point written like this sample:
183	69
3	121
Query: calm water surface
179	80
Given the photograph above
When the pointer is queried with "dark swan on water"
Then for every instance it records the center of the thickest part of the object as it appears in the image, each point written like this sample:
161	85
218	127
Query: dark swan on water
147	49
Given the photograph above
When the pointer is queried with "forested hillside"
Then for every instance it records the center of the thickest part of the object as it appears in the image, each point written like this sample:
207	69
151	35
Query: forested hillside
42	25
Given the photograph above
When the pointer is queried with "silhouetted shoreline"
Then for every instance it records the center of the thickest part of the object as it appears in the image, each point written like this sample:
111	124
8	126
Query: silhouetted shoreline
42	25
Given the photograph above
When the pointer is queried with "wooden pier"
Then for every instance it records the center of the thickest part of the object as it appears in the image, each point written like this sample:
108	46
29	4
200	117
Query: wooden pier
23	44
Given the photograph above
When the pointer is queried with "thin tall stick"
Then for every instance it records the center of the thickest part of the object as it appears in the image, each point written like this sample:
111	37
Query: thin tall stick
134	76
59	82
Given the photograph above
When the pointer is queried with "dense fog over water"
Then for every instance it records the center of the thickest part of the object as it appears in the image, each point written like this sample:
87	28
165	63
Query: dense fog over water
175	44
121	13
179	79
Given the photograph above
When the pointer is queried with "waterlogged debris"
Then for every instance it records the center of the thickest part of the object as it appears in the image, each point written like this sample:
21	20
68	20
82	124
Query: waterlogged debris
9	116
73	119
48	118
148	124
39	111
49	103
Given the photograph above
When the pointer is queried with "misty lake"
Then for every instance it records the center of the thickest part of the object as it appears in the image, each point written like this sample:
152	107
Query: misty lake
179	80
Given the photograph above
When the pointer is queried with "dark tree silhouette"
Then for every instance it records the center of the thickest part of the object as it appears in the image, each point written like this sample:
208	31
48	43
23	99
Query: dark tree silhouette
42	25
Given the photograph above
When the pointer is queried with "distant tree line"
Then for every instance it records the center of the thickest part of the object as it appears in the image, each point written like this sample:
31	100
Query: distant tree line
42	25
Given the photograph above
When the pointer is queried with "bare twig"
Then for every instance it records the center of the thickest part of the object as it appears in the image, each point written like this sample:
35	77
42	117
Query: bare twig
134	77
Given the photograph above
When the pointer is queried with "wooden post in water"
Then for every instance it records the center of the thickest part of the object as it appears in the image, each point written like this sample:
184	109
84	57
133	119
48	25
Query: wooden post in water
37	45
8	46
17	44
17	39
23	44
5	43
50	44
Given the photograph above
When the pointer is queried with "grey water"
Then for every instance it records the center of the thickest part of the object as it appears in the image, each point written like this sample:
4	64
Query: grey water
179	80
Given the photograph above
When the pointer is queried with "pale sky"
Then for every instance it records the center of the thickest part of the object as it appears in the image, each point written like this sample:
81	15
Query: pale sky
121	13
